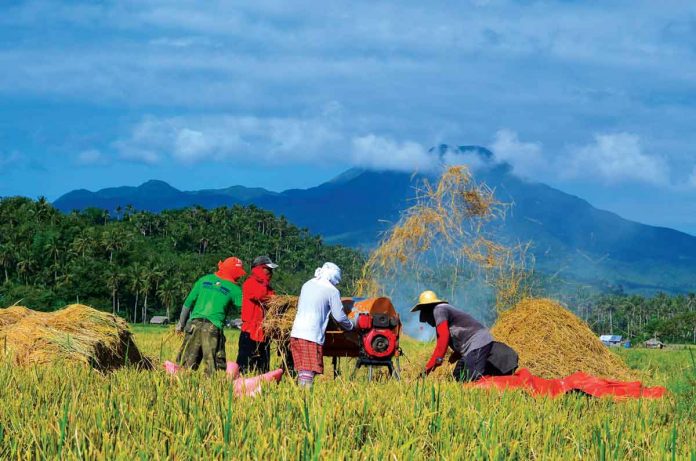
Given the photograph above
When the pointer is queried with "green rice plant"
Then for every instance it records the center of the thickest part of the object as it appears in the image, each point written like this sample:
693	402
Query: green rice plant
75	413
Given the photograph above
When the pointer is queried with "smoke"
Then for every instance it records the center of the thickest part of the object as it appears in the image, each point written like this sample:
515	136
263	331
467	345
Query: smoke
467	292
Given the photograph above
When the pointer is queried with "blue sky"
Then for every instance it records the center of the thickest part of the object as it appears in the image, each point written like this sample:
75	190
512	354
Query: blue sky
597	98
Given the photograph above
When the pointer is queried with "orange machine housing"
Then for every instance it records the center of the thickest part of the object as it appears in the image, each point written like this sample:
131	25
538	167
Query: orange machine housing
377	333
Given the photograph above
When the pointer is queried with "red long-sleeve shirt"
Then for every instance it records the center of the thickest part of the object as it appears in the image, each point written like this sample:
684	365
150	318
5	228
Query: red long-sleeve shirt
443	337
255	291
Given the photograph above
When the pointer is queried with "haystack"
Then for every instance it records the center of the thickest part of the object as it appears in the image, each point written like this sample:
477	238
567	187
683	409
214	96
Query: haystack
280	314
552	342
75	334
12	315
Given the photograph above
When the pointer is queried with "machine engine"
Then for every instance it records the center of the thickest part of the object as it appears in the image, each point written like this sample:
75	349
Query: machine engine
374	341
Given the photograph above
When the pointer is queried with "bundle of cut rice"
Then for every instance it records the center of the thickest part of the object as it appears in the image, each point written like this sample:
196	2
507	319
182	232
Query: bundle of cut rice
77	333
279	316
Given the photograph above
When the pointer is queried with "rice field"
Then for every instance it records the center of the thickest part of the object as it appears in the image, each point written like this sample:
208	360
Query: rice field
76	413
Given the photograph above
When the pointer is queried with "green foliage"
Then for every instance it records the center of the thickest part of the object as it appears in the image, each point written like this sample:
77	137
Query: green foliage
670	318
138	259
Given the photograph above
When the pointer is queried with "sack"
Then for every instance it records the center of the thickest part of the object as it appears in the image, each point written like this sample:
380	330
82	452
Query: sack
502	360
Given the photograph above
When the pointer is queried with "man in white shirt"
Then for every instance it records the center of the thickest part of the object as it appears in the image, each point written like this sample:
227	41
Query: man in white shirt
319	298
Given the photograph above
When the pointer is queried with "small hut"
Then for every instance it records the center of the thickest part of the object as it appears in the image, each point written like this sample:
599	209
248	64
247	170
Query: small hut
654	343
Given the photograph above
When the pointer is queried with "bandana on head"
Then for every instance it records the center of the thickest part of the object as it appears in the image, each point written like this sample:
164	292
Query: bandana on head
231	269
330	272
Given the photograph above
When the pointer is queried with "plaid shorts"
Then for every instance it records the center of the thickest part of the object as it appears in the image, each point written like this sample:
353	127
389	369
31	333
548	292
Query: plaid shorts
307	355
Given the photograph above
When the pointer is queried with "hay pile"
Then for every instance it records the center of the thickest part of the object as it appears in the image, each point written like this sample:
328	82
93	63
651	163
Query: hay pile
552	342
75	334
12	315
280	314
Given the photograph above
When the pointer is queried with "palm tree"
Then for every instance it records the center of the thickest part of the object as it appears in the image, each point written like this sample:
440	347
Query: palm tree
43	209
113	240
52	249
8	256
82	244
168	293
135	285
25	266
113	282
147	275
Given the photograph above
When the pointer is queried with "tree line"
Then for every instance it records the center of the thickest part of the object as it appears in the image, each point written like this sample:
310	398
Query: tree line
669	318
137	263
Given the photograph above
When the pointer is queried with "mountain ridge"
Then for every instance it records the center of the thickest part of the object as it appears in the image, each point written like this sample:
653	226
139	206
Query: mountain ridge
570	236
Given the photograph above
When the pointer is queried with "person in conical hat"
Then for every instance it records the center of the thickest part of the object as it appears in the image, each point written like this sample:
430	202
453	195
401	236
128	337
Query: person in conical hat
470	340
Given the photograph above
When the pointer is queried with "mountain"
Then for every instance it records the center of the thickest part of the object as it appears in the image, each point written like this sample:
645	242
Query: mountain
156	195
569	236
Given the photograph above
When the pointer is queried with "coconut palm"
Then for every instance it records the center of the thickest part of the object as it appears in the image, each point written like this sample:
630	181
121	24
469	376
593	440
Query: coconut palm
147	278
114	278
168	292
52	248
8	257
135	286
82	244
113	240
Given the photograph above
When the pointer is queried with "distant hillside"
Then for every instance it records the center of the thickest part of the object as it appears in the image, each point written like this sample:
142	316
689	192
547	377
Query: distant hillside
156	196
570	237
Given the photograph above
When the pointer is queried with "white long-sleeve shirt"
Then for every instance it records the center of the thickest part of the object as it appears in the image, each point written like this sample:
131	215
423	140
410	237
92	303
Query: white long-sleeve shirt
318	298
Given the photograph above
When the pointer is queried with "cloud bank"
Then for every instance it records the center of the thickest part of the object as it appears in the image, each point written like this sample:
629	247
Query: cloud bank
608	158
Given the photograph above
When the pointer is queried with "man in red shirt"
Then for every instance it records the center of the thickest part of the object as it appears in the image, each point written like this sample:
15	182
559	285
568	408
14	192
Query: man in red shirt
254	348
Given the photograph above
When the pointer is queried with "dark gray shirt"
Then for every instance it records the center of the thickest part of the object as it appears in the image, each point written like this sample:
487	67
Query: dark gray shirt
466	333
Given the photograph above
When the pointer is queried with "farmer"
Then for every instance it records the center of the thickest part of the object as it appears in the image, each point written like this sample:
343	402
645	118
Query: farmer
318	297
203	314
472	343
254	348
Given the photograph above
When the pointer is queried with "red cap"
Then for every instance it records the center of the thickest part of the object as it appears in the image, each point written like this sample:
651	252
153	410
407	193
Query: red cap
231	269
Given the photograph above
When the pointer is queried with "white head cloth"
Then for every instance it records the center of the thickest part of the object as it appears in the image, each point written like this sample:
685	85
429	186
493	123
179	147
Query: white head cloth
329	272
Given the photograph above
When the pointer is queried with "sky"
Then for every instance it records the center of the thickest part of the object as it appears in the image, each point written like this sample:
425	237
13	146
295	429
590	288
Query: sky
596	98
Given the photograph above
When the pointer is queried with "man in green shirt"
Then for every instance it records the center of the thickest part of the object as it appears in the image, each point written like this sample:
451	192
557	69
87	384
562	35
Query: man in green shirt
203	315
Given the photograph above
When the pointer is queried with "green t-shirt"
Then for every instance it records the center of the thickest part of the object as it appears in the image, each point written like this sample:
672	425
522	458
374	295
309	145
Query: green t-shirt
212	298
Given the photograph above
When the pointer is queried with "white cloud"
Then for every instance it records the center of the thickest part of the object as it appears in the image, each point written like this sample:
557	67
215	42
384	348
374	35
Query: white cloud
193	139
91	157
615	158
380	153
526	158
470	158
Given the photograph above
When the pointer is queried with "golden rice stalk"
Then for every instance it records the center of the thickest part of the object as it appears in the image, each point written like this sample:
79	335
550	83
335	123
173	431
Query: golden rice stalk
446	226
12	315
279	317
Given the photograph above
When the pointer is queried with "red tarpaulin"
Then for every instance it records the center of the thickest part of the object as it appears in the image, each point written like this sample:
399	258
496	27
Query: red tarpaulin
590	385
